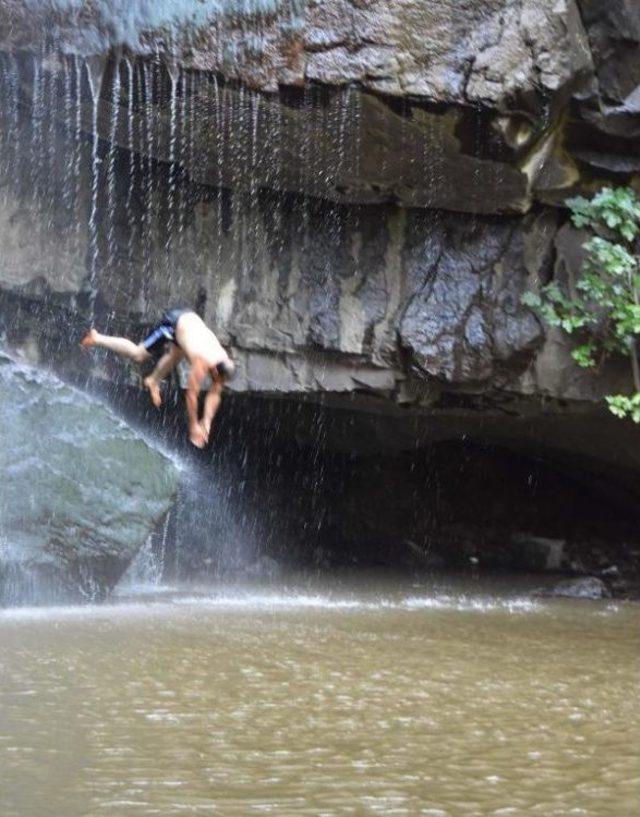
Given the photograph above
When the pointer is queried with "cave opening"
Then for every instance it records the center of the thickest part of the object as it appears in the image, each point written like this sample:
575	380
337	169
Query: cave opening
321	486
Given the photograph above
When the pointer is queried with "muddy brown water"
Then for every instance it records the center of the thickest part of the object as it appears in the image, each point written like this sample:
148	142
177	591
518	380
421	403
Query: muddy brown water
392	699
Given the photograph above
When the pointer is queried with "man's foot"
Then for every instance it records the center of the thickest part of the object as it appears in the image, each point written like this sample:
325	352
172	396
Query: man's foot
154	391
90	339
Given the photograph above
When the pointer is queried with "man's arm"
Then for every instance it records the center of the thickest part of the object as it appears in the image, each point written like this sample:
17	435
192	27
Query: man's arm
211	405
196	431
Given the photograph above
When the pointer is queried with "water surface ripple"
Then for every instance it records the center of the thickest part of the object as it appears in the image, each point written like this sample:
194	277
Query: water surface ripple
442	704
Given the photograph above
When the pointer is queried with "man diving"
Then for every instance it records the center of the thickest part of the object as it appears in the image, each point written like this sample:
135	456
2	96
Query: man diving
182	334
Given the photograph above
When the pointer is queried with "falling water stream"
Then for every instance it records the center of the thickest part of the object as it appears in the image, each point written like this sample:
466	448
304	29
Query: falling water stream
95	83
76	119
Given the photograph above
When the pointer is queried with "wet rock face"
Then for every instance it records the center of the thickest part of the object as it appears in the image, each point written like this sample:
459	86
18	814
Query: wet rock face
459	111
80	492
308	295
490	109
463	322
309	298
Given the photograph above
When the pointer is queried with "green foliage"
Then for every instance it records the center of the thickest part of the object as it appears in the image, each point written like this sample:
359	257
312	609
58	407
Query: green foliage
623	406
618	209
603	306
585	355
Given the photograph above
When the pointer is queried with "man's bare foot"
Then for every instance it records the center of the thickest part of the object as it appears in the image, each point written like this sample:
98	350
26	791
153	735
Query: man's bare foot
197	436
154	391
90	339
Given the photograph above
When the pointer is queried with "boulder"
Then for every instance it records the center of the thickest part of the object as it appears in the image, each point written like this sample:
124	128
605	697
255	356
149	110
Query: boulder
80	492
589	587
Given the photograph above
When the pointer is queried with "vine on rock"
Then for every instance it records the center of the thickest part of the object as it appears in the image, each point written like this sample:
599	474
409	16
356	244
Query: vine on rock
602	308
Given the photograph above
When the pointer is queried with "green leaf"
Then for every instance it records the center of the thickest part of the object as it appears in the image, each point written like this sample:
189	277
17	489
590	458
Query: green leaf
625	406
584	355
617	209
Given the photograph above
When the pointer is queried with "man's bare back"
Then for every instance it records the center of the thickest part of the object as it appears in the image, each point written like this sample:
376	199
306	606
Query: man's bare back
196	340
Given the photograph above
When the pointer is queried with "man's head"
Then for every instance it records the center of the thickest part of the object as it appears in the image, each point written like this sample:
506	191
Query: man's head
224	371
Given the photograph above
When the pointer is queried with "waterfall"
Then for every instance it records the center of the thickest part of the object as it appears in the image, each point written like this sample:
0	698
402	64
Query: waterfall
9	107
220	146
77	144
167	121
184	151
131	150
147	75
36	131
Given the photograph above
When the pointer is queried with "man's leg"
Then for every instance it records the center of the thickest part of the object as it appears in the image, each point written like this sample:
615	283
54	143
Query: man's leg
121	346
163	367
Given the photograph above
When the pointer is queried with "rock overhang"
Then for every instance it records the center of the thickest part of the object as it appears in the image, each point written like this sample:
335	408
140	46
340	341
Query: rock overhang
467	100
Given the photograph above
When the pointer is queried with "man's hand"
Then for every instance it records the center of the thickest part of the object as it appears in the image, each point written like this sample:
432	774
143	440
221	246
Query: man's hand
197	435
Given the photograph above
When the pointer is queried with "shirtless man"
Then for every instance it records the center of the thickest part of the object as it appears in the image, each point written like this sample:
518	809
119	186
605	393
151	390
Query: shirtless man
189	337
